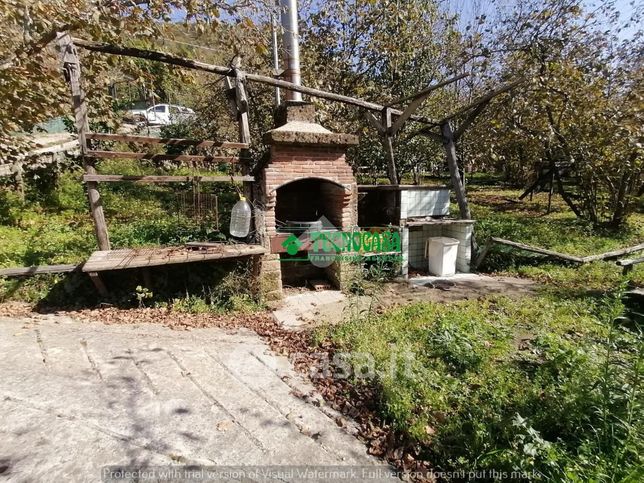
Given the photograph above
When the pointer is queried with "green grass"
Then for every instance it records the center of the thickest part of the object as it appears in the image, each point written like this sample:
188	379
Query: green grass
561	231
53	224
542	384
56	227
548	384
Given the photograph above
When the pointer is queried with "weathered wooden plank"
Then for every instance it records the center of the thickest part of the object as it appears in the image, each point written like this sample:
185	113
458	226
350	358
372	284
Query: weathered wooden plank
439	222
373	120
72	69
563	256
198	143
400	187
627	265
630	262
52	149
159	157
428	133
482	254
542	251
387	142
614	253
471	117
241	100
150	257
39	270
229	72
99	284
114	178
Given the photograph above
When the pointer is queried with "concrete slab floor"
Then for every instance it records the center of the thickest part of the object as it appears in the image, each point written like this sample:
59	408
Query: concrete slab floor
475	282
308	309
77	396
305	309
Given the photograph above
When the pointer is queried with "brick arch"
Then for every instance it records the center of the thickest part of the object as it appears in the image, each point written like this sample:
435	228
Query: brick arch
307	199
346	187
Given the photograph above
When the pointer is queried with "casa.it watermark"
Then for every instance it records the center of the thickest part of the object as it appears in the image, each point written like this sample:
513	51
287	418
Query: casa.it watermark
356	365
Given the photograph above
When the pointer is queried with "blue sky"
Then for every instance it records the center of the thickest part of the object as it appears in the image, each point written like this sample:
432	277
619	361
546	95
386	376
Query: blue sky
469	9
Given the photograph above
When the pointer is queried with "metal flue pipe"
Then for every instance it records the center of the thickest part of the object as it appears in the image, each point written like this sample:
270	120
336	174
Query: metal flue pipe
291	44
276	55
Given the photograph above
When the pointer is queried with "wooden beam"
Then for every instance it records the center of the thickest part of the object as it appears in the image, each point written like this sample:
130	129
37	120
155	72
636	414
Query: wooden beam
427	132
439	221
151	257
541	251
387	142
417	100
52	149
485	98
409	110
540	180
229	72
452	163
627	265
72	70
39	270
243	128
562	256
197	143
482	254
241	100
375	123
427	90
471	117
115	178
159	157
614	253
98	283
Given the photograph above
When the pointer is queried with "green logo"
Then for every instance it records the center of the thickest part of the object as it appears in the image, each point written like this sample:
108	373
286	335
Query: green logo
292	245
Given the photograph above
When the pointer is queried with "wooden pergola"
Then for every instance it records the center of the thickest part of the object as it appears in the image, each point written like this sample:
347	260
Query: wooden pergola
389	123
385	118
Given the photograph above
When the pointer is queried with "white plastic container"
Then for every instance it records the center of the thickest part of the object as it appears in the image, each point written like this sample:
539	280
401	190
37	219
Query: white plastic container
240	219
441	254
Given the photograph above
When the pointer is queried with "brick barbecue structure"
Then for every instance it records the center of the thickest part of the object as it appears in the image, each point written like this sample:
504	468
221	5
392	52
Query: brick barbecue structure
305	177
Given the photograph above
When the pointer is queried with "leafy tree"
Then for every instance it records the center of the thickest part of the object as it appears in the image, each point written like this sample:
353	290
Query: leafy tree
582	111
32	86
382	51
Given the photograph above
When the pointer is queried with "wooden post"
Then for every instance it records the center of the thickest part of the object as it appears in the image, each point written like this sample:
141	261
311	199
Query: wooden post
452	163
72	71
18	172
482	254
241	101
98	283
242	109
387	142
552	185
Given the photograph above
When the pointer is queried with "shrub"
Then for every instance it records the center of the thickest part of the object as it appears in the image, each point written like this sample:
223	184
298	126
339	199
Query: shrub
11	205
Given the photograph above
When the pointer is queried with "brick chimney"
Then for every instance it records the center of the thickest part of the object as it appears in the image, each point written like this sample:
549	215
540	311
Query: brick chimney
305	178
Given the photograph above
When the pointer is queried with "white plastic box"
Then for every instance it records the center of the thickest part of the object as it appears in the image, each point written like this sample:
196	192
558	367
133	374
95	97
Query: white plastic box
441	255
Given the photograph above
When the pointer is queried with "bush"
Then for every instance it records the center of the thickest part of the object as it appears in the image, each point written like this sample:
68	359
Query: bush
11	205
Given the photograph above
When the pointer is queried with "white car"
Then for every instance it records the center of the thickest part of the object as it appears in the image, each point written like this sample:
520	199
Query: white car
162	114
